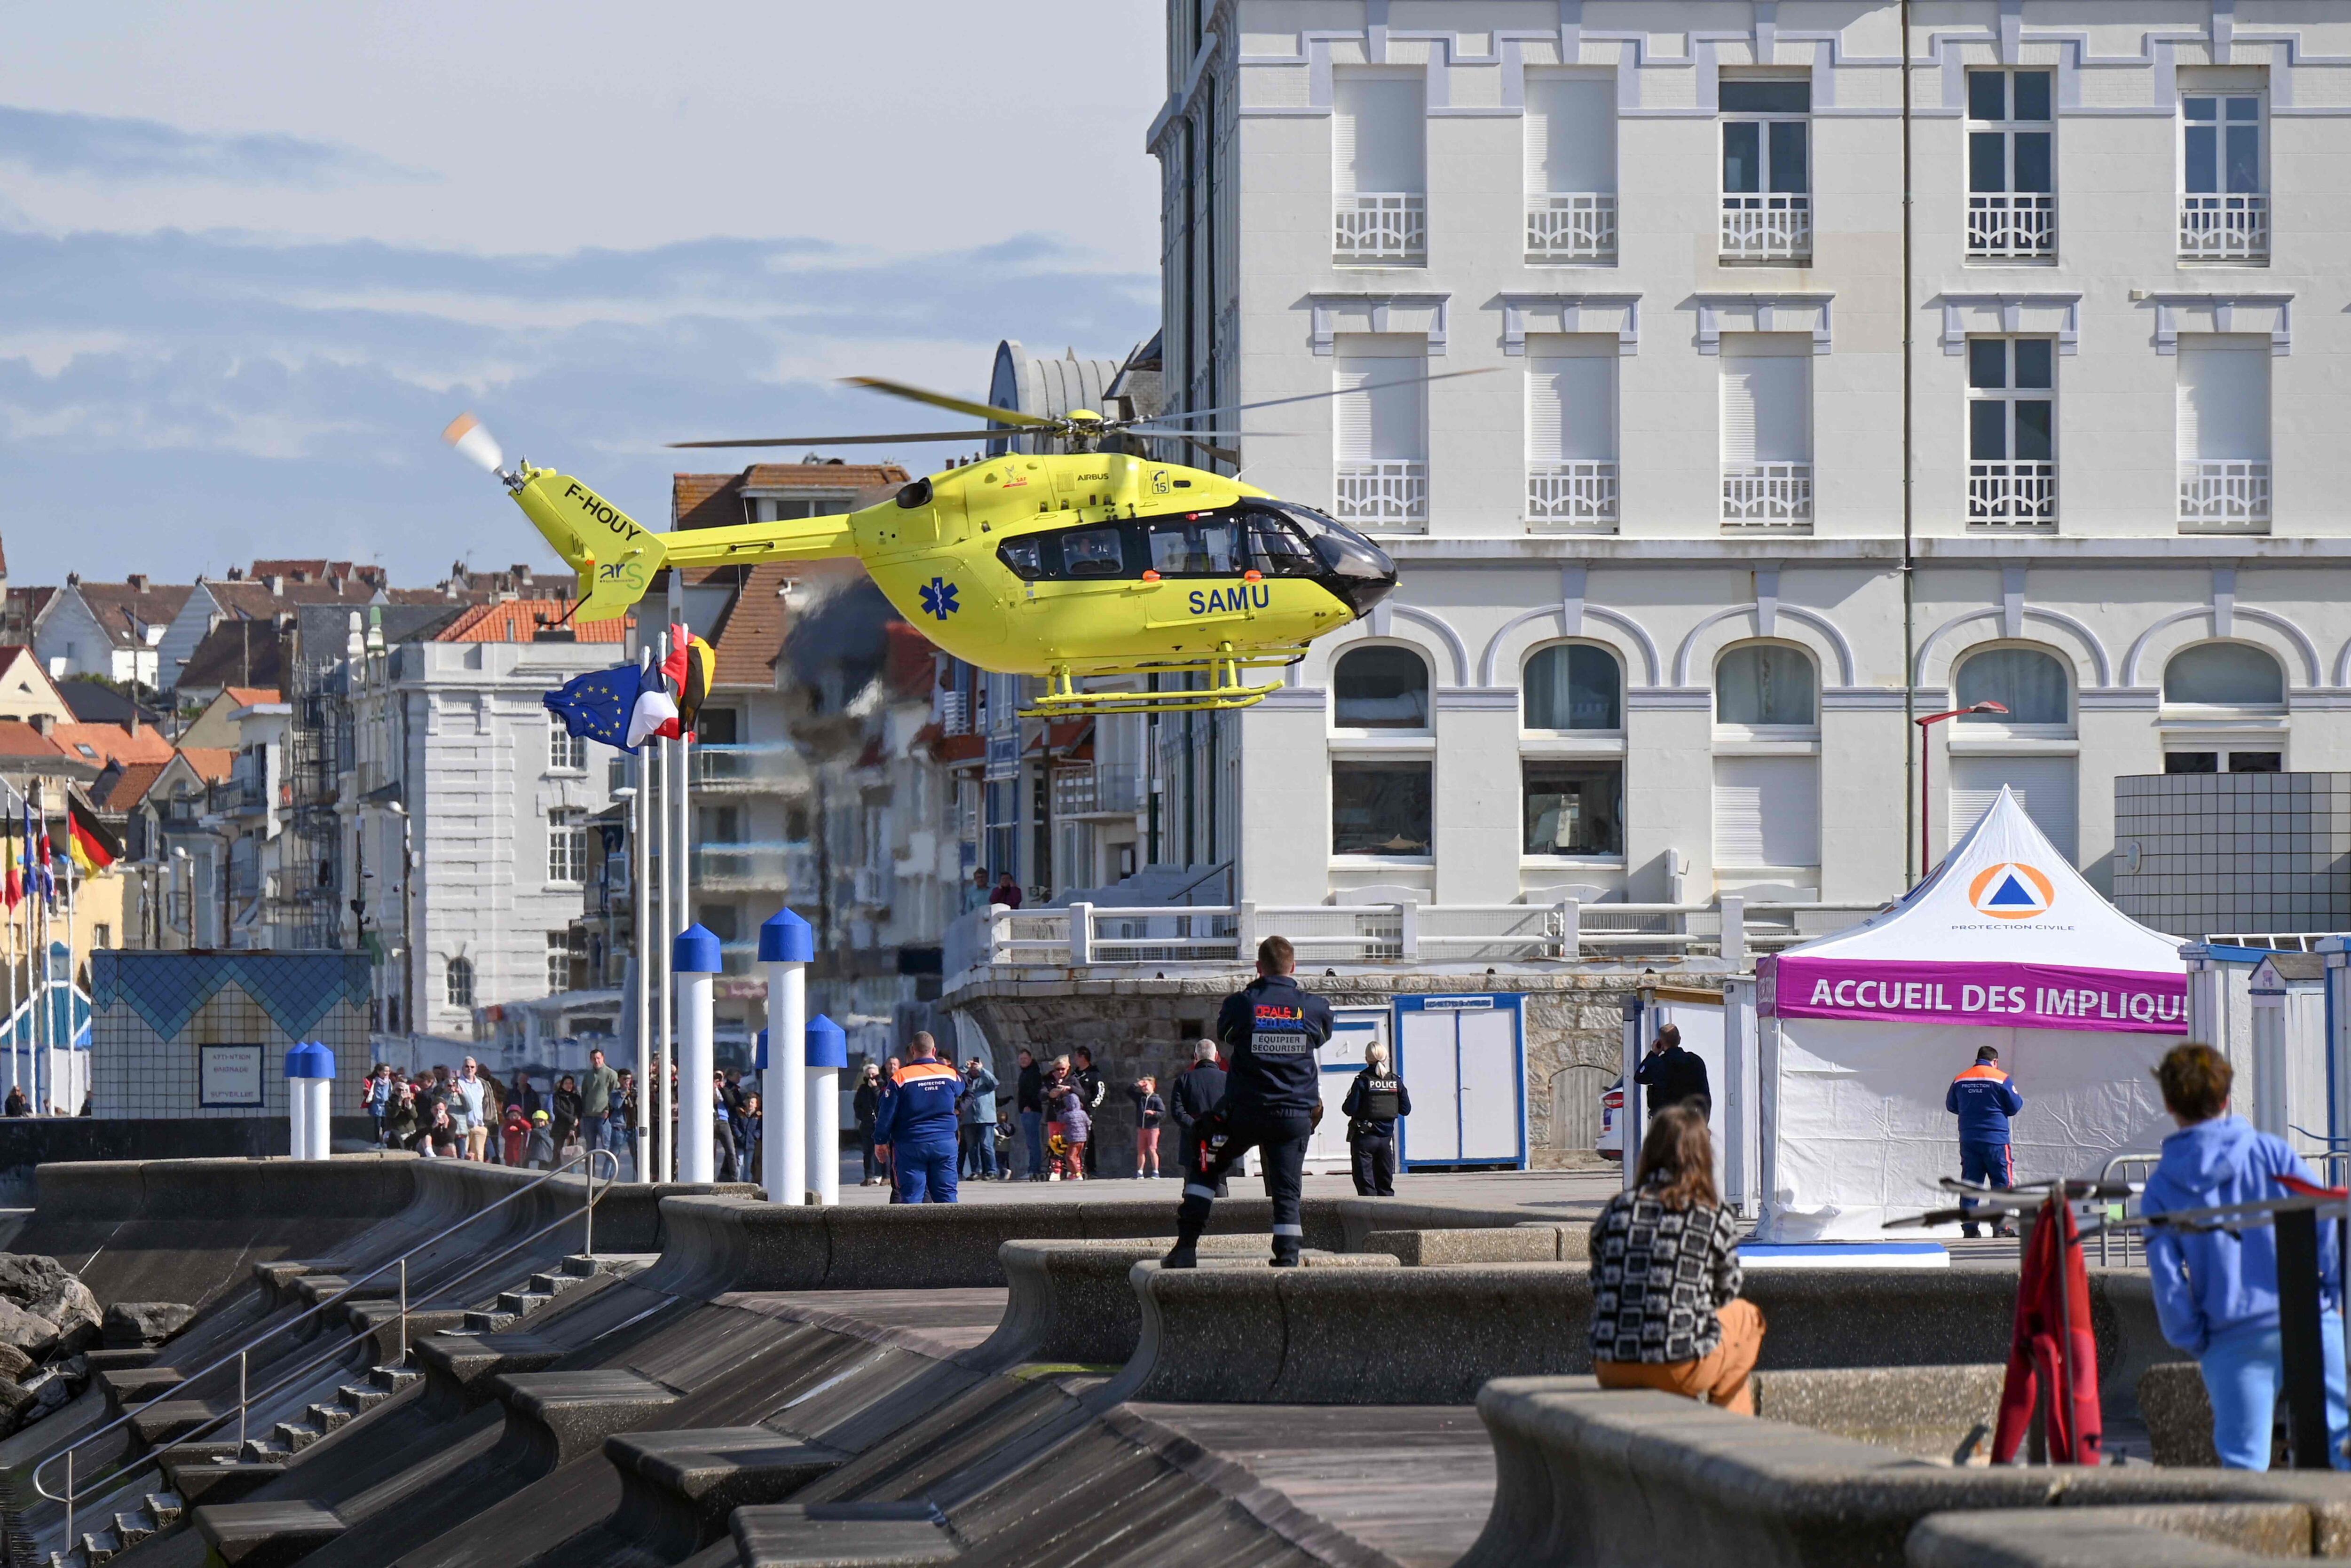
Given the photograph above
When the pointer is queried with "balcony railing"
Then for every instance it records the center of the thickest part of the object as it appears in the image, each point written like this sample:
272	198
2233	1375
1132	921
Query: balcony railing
730	768
1383	492
2012	495
2224	496
1773	228
955	713
1380	228
1085	935
1106	788
1575	497
1767	496
1571	225
752	867
2012	225
2224	228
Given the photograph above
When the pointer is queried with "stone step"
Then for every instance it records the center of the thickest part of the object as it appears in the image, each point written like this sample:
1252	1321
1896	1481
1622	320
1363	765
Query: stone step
295	1436
134	1527
359	1399
166	1507
262	1451
98	1548
329	1418
392	1379
522	1303
490	1322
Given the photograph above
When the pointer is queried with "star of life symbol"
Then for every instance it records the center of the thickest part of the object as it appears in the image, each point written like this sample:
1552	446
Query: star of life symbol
939	598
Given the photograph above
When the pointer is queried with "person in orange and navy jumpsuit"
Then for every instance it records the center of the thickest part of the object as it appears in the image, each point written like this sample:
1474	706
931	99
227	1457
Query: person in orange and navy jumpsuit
919	1124
1983	1098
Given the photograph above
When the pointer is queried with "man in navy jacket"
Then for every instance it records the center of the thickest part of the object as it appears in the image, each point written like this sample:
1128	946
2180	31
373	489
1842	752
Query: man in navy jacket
1983	1098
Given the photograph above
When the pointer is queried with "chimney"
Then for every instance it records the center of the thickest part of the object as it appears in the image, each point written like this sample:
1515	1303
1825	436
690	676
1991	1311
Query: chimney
275	584
354	645
43	723
138	583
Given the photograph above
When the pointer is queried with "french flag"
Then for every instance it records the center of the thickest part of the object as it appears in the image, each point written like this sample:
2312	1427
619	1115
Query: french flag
654	713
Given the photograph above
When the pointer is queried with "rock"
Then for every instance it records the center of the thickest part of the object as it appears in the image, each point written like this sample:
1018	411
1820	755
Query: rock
17	1404
14	1362
75	1370
47	1289
129	1324
36	1336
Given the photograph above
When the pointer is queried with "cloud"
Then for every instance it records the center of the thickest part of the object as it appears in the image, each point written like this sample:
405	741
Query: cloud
173	392
111	148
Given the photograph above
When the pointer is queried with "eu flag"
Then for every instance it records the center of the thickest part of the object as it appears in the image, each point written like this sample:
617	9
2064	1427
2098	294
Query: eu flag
598	705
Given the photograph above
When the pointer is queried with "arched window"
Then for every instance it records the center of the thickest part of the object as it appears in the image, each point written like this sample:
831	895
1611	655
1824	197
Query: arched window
2224	675
461	982
1766	683
2029	683
1382	687
1572	686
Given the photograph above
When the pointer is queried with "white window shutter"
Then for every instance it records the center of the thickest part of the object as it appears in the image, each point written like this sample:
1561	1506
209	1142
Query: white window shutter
1571	134
2044	786
1572	399
1765	811
1352	413
1395	409
1766	396
1377	135
2224	397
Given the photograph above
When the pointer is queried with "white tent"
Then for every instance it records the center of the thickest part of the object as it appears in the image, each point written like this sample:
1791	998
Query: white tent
2006	945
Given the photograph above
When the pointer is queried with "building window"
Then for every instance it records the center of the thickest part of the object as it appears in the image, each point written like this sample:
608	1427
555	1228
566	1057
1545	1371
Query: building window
1380	808
2224	434
1574	806
461	983
2224	206
1767	432
567	845
566	752
1571	129
2012	165
2224	675
2012	431
1763	683
558	961
1767	205
1573	686
1379	164
1381	434
1571	432
1767	813
2045	786
1380	687
2029	685
717	726
785	508
2230	761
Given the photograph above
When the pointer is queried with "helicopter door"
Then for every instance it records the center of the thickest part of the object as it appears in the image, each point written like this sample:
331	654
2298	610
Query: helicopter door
1200	560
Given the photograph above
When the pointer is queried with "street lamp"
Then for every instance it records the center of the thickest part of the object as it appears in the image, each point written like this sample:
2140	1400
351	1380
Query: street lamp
1926	833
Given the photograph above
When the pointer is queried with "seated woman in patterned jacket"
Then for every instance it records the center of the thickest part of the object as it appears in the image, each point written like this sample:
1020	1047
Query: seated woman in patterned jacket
1666	1311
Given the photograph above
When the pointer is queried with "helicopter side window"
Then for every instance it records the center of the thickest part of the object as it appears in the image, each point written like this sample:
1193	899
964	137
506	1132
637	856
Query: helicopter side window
1197	546
1024	556
1094	552
1278	549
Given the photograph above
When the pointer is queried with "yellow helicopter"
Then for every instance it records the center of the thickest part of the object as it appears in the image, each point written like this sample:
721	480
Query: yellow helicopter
1064	565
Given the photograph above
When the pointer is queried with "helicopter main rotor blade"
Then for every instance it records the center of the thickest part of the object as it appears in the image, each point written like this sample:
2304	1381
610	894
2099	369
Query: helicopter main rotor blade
910	436
1233	434
955	405
1315	397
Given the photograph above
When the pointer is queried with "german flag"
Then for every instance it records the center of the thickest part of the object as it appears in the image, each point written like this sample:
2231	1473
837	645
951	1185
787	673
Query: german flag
95	847
694	687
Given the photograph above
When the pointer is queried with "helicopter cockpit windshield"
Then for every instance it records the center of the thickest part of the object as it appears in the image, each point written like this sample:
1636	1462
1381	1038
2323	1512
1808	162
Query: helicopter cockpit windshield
1273	538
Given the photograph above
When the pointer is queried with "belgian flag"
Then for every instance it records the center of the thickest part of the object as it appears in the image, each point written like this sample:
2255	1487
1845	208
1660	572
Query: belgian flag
95	847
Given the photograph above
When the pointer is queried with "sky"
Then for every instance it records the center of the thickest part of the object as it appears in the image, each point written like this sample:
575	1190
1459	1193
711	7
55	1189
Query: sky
254	257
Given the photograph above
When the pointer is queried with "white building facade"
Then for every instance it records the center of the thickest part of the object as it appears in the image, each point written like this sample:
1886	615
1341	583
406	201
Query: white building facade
1668	603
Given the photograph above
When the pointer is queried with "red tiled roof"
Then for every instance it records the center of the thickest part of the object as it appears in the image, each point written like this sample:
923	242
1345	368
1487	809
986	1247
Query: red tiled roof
111	742
521	619
131	786
18	739
716	500
245	696
212	763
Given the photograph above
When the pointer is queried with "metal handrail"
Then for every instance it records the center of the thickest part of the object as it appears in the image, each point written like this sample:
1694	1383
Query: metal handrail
241	1352
2107	1175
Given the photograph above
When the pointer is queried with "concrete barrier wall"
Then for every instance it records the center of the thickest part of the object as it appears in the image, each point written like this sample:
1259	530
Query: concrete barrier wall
719	1244
2174	1535
1299	1337
1585	1477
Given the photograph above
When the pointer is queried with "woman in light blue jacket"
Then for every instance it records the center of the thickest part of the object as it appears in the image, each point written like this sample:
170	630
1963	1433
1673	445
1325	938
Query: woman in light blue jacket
2216	1293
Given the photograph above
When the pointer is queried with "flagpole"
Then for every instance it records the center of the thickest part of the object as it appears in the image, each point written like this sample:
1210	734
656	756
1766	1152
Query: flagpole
41	990
658	1096
688	1094
641	866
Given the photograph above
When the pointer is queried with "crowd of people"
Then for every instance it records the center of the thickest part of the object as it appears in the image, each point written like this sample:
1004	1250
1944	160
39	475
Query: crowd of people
470	1115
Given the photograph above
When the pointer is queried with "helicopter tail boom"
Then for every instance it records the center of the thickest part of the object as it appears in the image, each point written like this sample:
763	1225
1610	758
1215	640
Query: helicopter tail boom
796	538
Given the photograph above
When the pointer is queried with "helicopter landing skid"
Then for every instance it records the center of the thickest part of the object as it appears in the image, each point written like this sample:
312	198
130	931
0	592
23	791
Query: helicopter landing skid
1061	697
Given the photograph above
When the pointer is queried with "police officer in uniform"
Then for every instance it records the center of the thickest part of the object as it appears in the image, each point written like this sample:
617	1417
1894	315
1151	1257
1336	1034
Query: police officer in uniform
918	1122
1270	1031
1374	1101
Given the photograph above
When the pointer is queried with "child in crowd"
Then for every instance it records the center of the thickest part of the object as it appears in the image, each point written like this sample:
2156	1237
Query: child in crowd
542	1141
515	1133
1075	1126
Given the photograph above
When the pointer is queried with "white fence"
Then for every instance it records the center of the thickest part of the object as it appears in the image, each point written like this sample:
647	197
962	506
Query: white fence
2021	224
2012	494
2224	228
1767	496
1774	227
1571	225
2224	496
1087	935
1379	227
1572	494
1381	492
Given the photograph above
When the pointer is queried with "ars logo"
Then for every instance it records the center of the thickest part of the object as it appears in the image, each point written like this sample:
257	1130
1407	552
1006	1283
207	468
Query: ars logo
2011	891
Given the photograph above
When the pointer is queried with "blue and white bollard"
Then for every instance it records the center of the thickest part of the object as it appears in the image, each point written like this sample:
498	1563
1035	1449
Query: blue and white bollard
828	1054
787	946
309	1085
694	960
